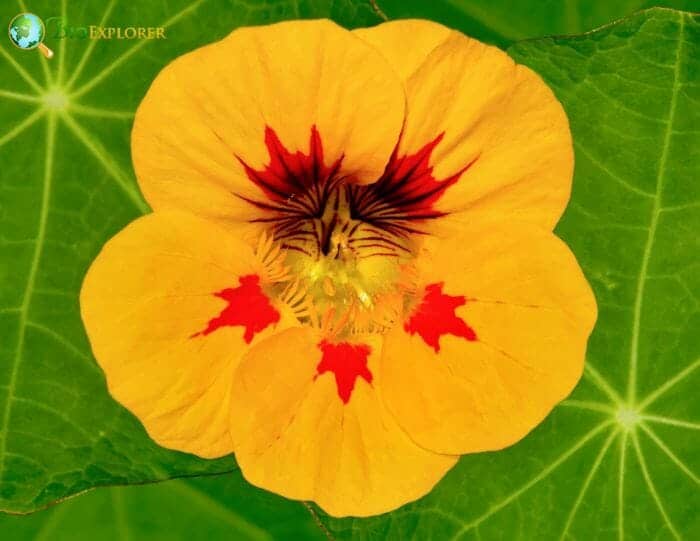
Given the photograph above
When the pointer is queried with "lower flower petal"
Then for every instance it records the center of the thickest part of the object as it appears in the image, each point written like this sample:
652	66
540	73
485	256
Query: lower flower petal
496	338
309	423
170	305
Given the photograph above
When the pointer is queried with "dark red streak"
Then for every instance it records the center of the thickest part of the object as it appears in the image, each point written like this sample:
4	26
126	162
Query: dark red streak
299	188
291	174
407	189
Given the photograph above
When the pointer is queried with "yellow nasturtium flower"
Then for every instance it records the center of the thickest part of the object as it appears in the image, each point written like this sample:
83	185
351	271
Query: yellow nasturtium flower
350	276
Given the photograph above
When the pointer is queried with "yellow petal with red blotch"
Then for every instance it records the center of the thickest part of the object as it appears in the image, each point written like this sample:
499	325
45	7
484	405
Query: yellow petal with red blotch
309	423
492	120
215	116
496	338
170	305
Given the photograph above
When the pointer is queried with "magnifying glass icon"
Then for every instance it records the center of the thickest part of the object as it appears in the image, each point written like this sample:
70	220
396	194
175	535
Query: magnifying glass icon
27	32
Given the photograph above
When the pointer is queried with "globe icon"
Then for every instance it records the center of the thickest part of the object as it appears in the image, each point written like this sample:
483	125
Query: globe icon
27	31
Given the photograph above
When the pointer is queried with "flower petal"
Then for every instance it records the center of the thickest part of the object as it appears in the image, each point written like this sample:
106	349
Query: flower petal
309	424
170	306
406	43
216	111
496	338
498	126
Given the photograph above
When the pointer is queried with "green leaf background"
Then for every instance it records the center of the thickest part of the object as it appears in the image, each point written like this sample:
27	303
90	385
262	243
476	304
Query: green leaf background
617	460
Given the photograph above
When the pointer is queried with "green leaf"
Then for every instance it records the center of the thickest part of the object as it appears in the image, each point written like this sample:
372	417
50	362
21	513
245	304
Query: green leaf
620	459
66	186
223	507
503	22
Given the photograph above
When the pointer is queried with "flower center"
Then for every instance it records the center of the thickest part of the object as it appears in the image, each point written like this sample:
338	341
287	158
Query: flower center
345	262
349	246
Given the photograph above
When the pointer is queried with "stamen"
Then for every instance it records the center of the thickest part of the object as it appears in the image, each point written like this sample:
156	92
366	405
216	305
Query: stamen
272	259
298	300
329	287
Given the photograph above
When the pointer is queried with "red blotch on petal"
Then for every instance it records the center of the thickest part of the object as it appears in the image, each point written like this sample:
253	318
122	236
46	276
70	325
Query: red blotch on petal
348	362
435	316
248	307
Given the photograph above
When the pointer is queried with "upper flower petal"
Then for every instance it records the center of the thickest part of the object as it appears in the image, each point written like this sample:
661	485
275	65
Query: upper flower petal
170	305
309	423
215	114
496	338
498	126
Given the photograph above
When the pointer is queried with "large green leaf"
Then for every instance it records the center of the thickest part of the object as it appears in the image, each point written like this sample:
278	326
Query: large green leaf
620	458
503	22
66	186
202	509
